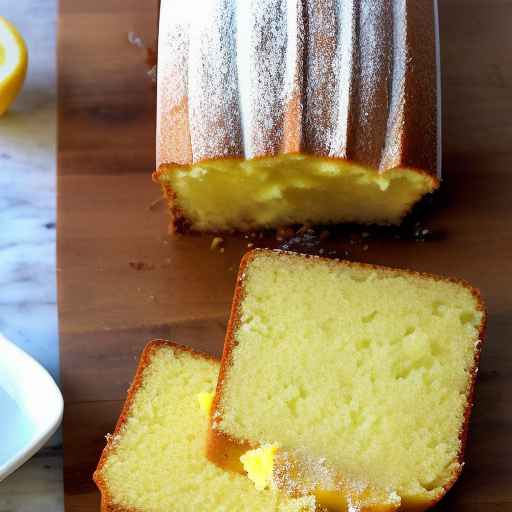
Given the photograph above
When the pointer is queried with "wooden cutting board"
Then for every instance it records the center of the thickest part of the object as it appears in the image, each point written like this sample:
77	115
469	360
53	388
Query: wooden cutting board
123	280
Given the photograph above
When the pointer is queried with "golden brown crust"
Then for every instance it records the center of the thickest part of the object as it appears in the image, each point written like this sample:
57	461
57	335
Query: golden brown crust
223	449
107	504
391	82
391	111
180	222
420	95
470	395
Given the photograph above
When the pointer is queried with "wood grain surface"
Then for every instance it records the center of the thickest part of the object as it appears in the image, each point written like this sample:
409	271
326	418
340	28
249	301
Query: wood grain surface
109	227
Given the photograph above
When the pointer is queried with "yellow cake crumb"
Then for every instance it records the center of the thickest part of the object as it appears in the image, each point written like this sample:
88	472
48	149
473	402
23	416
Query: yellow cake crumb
217	242
259	464
205	400
244	195
361	372
156	461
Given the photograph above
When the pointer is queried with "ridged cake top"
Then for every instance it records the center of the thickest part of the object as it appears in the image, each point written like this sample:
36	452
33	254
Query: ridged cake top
352	79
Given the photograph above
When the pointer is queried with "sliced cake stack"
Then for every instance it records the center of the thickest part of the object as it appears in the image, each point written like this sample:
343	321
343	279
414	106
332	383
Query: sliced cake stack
342	386
155	460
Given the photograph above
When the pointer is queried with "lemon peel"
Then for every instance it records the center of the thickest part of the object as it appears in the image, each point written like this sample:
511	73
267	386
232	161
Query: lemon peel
13	63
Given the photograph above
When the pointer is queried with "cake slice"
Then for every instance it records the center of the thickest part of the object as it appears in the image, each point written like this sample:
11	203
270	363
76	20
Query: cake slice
155	461
355	381
276	112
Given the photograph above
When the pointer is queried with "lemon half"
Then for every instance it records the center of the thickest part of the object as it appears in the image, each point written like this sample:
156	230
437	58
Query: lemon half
13	63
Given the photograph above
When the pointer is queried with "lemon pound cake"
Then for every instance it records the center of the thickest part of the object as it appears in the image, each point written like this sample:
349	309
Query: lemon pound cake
350	381
155	460
276	112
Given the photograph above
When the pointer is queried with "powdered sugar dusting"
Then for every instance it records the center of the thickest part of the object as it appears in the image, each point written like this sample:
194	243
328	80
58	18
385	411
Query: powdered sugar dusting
294	47
260	77
298	473
330	35
374	52
243	26
262	34
294	79
172	127
342	68
213	85
393	146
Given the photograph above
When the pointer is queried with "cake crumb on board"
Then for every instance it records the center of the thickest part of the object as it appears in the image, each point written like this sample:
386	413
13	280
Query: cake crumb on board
217	243
141	265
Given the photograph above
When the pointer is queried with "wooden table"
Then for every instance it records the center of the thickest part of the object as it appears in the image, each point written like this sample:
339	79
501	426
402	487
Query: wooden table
123	280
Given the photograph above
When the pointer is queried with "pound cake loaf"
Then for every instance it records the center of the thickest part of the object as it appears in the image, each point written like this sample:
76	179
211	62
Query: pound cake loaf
350	381
276	112
155	460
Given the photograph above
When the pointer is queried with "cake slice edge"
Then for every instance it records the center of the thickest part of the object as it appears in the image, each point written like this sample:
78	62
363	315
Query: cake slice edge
186	362
107	504
225	450
403	185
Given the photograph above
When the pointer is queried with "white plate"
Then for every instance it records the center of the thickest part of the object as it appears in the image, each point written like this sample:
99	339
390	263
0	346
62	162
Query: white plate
31	407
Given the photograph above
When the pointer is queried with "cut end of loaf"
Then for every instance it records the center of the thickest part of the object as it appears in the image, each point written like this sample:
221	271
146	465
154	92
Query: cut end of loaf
367	369
241	195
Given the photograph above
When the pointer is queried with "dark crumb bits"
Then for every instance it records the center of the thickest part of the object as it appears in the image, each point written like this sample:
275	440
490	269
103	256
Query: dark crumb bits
355	238
141	265
324	235
152	74
155	204
217	243
284	233
307	242
303	229
420	233
151	57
